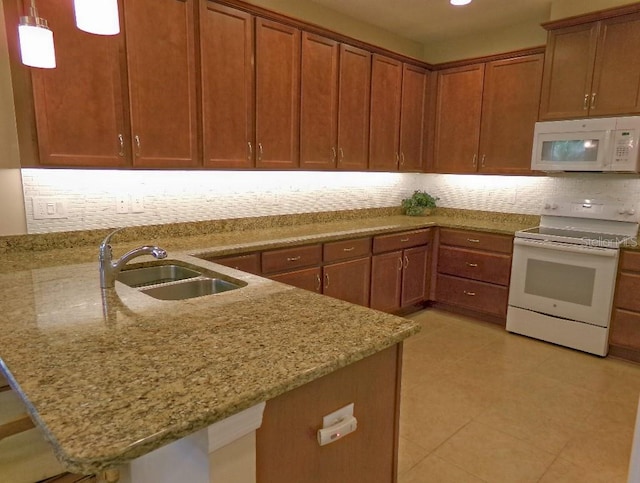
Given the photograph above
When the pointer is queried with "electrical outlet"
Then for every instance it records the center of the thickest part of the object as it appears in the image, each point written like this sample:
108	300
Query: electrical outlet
122	204
137	203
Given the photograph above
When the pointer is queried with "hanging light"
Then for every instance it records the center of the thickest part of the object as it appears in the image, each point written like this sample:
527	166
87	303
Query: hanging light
36	40
97	16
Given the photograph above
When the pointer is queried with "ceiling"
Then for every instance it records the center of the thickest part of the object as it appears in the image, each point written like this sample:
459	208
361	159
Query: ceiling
427	21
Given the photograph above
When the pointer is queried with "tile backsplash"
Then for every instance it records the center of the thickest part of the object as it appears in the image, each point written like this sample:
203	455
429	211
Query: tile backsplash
74	199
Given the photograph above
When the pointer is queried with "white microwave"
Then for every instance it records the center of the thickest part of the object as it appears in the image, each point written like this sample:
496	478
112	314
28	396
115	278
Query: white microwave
608	144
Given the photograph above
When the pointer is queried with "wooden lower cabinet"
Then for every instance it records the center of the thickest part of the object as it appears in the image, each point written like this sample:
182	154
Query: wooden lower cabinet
386	281
308	279
473	271
287	448
471	294
247	263
349	281
624	333
414	275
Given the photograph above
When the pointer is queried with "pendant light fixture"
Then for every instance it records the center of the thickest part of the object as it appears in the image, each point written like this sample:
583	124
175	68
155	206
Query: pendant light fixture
36	40
97	16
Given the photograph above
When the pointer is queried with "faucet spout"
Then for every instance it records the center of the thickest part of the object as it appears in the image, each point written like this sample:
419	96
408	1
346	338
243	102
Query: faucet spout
109	268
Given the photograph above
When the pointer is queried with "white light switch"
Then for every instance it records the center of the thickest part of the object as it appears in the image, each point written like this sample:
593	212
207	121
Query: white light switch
48	208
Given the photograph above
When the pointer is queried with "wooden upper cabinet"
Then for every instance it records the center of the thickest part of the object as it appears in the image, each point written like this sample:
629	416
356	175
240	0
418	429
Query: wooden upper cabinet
591	69
616	77
353	108
161	63
568	72
457	119
277	95
318	102
227	99
412	119
78	106
386	84
510	102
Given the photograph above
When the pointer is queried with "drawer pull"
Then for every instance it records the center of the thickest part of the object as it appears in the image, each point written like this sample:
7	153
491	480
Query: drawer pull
293	259
470	294
473	240
473	265
404	240
350	249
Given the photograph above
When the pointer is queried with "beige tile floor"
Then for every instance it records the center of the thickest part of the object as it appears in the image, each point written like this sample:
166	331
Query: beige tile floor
482	405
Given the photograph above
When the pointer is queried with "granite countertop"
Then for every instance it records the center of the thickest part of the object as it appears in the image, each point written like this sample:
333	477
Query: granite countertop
113	374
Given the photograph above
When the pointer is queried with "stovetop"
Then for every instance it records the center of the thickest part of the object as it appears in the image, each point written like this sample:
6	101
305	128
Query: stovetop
606	224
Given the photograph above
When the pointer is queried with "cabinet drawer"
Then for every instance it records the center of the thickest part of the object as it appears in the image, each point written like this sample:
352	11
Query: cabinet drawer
398	241
625	329
627	292
291	258
478	265
477	240
308	279
342	250
247	263
475	295
630	260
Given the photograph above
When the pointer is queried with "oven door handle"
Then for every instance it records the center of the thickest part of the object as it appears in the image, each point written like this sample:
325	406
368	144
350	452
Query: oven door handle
599	251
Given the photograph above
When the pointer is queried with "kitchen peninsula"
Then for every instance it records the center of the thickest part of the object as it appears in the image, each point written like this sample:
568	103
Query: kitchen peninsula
113	375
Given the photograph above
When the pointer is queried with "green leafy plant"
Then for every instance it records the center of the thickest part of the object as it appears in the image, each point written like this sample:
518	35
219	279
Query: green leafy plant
418	203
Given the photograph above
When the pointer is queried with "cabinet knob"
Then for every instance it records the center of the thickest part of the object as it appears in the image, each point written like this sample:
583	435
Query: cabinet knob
470	294
406	262
399	264
593	100
585	103
473	240
334	156
326	280
319	285
475	160
250	150
472	265
484	156
341	154
259	151
294	259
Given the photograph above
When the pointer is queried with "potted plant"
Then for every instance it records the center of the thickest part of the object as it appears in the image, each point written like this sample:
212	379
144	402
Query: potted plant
420	203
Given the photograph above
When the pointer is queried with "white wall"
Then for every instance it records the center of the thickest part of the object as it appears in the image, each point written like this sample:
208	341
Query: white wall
91	196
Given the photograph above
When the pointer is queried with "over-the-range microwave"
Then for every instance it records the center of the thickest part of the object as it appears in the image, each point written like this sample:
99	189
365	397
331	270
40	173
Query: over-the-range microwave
607	144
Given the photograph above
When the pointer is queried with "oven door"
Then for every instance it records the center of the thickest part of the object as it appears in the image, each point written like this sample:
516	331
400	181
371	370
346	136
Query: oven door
575	282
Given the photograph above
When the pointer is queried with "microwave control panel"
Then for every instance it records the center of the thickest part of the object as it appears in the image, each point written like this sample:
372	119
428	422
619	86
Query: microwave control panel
625	150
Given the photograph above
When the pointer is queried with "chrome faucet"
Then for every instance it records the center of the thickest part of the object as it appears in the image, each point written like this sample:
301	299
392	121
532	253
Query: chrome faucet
109	269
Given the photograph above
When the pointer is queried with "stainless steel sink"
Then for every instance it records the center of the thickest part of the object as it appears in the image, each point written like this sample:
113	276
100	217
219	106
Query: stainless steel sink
145	276
190	289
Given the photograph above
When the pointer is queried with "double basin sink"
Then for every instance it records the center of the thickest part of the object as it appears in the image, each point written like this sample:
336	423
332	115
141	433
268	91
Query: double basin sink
176	280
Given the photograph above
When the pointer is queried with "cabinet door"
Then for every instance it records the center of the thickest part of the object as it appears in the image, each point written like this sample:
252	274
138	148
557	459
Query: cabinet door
568	72
414	90
353	108
349	281
386	85
510	103
227	100
457	123
162	82
277	95
386	281
616	78
414	275
78	105
308	279
318	102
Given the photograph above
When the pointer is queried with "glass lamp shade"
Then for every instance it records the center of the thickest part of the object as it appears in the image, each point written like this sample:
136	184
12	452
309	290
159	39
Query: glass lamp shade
36	43
97	16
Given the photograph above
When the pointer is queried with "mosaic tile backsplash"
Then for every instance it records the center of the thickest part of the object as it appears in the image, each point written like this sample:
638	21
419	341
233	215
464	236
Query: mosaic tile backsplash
74	199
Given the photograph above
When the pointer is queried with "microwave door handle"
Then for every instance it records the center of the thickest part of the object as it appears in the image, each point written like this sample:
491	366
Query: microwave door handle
564	247
608	151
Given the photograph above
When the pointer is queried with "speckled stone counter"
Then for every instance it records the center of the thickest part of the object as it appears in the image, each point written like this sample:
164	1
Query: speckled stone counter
111	375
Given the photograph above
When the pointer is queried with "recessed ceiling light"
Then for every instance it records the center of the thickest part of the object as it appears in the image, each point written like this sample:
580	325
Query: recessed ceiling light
459	2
